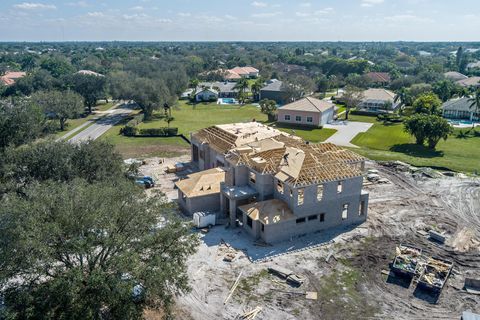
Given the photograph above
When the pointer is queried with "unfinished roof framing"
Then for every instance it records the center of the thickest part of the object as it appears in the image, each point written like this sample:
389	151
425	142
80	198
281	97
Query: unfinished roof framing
292	160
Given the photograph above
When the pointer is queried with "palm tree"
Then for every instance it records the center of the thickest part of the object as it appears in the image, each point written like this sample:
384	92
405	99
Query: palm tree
256	87
193	85
241	86
404	97
475	104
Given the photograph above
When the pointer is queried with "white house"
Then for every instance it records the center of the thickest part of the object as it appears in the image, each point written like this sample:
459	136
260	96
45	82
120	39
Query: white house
206	95
378	101
460	109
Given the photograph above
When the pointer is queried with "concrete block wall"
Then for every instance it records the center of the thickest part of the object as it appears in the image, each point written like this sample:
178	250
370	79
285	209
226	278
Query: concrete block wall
209	202
263	184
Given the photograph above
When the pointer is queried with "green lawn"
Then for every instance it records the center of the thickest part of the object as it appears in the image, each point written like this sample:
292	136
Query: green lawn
137	147
189	119
390	142
308	134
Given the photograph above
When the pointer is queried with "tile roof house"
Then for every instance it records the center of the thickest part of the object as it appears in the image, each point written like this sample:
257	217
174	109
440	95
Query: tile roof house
378	101
307	111
10	77
454	76
470	82
276	186
461	109
382	78
241	72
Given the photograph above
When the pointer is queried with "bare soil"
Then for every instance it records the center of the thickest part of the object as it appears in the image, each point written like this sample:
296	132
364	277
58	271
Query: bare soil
356	282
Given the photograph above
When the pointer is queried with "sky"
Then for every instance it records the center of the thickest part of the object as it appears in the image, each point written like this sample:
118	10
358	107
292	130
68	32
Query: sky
240	20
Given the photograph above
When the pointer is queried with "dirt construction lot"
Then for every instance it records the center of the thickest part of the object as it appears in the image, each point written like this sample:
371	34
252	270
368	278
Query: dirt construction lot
355	282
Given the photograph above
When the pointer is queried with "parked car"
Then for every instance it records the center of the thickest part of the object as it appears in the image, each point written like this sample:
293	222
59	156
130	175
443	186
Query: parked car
146	182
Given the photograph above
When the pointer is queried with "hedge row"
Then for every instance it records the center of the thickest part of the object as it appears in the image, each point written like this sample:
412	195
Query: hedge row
137	119
132	131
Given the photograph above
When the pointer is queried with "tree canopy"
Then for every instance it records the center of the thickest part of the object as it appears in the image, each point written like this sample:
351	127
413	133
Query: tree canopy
429	128
60	105
90	251
427	103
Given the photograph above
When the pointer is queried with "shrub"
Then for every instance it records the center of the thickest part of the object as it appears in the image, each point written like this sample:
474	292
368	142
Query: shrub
136	120
389	117
158	132
129	130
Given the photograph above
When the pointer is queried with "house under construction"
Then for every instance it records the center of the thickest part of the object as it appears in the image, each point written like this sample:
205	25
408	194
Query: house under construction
275	185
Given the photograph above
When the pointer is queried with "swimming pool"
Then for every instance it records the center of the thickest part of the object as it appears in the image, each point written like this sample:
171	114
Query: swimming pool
462	123
227	101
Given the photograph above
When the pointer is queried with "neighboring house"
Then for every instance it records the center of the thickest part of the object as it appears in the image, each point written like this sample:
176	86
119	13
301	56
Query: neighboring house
246	72
307	111
473	65
234	74
424	53
90	73
460	109
379	78
290	69
10	77
229	75
206	95
454	76
276	186
225	89
378	101
470	82
275	90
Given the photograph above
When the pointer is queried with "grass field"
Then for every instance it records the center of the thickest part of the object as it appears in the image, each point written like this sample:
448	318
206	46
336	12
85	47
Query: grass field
308	134
390	142
189	119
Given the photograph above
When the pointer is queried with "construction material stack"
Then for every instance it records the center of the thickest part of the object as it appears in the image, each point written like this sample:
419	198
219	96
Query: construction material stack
435	274
407	260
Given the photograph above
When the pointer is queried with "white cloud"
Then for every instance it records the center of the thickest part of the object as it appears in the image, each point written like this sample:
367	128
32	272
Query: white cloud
34	6
314	13
259	4
371	3
406	18
136	16
137	8
230	17
184	14
266	14
81	4
305	4
95	14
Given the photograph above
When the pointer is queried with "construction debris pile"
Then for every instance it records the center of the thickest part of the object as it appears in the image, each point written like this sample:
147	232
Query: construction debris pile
432	273
407	259
435	273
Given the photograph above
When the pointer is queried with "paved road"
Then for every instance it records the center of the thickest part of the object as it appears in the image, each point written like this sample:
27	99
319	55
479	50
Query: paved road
102	125
346	131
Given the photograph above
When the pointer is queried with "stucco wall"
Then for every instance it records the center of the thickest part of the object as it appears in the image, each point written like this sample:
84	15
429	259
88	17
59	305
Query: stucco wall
304	114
